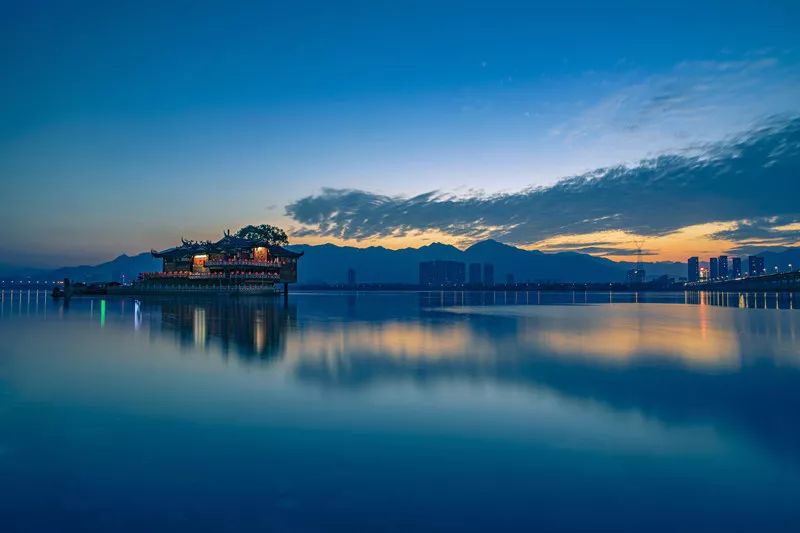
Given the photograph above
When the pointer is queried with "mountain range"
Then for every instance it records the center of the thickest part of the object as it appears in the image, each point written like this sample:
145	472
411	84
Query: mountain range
328	264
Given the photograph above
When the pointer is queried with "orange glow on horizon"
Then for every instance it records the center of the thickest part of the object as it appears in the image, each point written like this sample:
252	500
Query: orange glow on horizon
394	242
686	242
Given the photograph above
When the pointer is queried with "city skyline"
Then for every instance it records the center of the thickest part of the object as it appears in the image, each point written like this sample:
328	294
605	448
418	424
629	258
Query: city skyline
128	127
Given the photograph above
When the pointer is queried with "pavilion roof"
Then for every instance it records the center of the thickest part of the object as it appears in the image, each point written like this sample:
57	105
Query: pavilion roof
227	244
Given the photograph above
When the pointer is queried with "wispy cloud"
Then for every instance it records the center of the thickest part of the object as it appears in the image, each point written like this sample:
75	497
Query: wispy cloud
693	103
601	249
774	232
749	177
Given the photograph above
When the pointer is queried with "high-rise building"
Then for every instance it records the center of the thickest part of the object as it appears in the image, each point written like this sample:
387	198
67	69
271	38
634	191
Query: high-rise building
713	268
736	267
755	265
441	273
351	277
723	267
509	279
475	274
488	274
694	269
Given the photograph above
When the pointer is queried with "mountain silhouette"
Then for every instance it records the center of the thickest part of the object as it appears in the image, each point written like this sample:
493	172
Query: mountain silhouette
123	267
329	263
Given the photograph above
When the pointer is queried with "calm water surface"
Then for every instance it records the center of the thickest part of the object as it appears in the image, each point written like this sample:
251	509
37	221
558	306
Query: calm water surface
400	412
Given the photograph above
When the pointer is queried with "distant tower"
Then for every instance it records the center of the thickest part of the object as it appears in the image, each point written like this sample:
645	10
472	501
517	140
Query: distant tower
440	273
722	264
475	274
713	268
351	277
693	273
637	274
736	270
639	243
755	265
488	274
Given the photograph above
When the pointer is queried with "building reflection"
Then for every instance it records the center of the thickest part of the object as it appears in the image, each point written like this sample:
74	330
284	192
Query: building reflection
743	300
253	329
752	300
674	362
707	360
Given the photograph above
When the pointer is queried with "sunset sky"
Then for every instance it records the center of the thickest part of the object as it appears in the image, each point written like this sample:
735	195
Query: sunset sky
124	126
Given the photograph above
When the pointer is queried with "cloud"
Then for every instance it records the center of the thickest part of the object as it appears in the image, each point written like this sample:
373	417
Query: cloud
753	176
635	114
597	250
601	248
696	101
771	233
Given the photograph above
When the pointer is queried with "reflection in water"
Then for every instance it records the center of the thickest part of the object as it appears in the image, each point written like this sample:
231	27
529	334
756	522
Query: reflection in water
626	336
199	326
479	325
557	401
760	300
752	300
395	339
255	328
137	315
674	362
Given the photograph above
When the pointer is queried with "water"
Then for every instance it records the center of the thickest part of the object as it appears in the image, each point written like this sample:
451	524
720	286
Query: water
398	412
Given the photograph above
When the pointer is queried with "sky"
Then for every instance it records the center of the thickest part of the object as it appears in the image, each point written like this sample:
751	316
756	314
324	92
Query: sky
557	126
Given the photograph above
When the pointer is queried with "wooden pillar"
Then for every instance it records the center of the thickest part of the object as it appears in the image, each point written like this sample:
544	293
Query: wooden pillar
285	291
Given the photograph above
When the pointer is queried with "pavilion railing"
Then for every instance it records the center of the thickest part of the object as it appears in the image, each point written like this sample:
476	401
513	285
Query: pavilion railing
210	275
242	262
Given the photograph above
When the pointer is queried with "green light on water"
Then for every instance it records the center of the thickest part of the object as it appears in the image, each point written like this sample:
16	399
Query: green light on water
102	313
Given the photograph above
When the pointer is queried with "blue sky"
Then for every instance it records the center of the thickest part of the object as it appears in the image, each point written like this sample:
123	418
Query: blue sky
126	125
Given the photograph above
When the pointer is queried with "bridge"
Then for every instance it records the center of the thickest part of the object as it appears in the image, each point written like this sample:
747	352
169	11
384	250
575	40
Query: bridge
781	282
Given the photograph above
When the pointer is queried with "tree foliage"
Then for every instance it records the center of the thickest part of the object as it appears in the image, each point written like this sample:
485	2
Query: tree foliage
264	232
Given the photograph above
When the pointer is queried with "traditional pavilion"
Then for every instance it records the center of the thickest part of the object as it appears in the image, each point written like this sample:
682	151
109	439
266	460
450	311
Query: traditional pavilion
232	264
